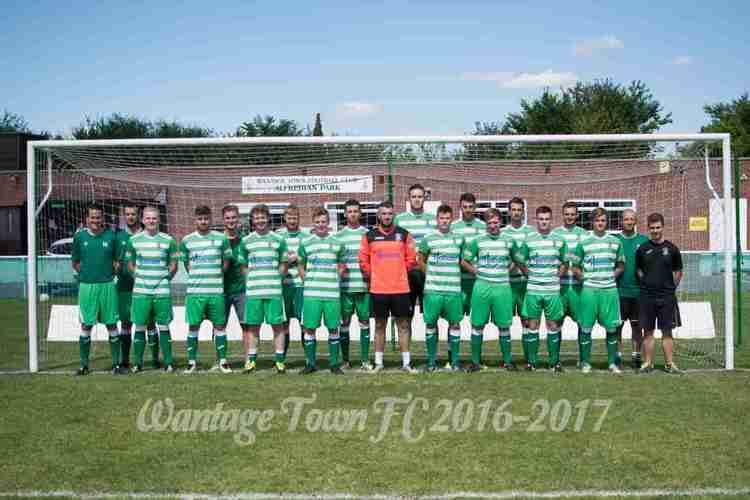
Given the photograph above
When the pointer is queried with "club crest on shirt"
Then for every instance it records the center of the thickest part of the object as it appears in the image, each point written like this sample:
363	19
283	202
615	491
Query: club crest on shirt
665	251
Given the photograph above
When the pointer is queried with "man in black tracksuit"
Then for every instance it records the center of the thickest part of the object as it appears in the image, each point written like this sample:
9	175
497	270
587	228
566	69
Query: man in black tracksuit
659	268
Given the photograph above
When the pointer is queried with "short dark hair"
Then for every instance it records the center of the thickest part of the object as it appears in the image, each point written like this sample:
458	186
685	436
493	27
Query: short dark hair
131	204
318	211
94	206
445	209
291	208
570	204
351	203
386	204
516	200
491	213
202	210
417	186
230	208
544	209
598	212
260	208
655	217
468	197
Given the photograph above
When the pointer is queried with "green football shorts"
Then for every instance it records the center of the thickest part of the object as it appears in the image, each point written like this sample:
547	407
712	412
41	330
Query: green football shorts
293	301
200	307
314	310
124	300
600	305
438	305
97	303
571	300
152	308
491	300
264	310
355	302
467	288
534	304
519	293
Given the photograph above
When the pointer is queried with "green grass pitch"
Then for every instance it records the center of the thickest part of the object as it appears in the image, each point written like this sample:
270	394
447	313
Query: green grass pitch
451	433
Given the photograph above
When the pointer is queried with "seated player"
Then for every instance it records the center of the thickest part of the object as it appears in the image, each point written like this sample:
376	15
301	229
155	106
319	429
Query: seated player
439	255
488	257
206	256
597	262
152	260
320	264
95	258
544	257
263	259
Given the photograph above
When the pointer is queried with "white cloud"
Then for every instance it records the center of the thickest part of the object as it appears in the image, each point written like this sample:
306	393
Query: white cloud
587	48
358	109
682	61
526	80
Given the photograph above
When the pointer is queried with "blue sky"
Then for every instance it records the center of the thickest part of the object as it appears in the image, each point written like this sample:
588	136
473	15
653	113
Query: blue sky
370	68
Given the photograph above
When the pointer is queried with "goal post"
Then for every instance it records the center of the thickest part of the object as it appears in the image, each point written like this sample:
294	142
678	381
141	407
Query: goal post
612	171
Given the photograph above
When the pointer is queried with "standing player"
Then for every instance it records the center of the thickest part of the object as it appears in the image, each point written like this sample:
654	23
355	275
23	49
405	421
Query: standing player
206	256
292	284
386	255
519	230
488	257
234	280
439	256
152	260
469	227
659	268
544	257
418	223
95	259
125	282
570	285
598	260
320	264
263	258
354	296
627	285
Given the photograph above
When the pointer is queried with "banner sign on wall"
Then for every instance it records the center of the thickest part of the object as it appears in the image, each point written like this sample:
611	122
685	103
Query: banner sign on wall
307	184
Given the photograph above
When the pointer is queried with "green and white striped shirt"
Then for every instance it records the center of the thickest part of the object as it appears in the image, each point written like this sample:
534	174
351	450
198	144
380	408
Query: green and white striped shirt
351	239
518	234
321	257
418	225
262	254
492	255
442	252
542	255
572	237
292	247
598	257
152	256
206	254
469	231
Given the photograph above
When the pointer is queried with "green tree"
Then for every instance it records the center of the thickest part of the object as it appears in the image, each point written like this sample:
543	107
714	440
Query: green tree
11	122
318	129
121	126
732	117
269	126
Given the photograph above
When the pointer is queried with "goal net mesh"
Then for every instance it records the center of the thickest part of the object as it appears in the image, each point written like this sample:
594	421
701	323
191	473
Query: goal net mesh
669	178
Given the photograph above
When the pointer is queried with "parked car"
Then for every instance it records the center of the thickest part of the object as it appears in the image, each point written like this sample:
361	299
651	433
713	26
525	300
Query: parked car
61	248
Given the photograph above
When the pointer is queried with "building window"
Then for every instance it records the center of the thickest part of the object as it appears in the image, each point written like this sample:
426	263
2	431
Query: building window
338	214
614	209
502	206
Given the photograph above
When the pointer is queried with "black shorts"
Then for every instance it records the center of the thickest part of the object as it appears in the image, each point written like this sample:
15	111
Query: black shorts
629	309
662	312
416	287
397	305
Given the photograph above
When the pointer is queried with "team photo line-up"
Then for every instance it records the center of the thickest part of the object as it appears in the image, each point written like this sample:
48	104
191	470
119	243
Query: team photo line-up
451	268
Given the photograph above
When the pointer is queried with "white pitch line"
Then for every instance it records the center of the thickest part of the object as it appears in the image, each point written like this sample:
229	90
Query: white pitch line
654	492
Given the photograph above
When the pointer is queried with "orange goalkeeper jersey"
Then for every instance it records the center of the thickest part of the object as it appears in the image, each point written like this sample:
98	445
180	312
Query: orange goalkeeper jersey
385	257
